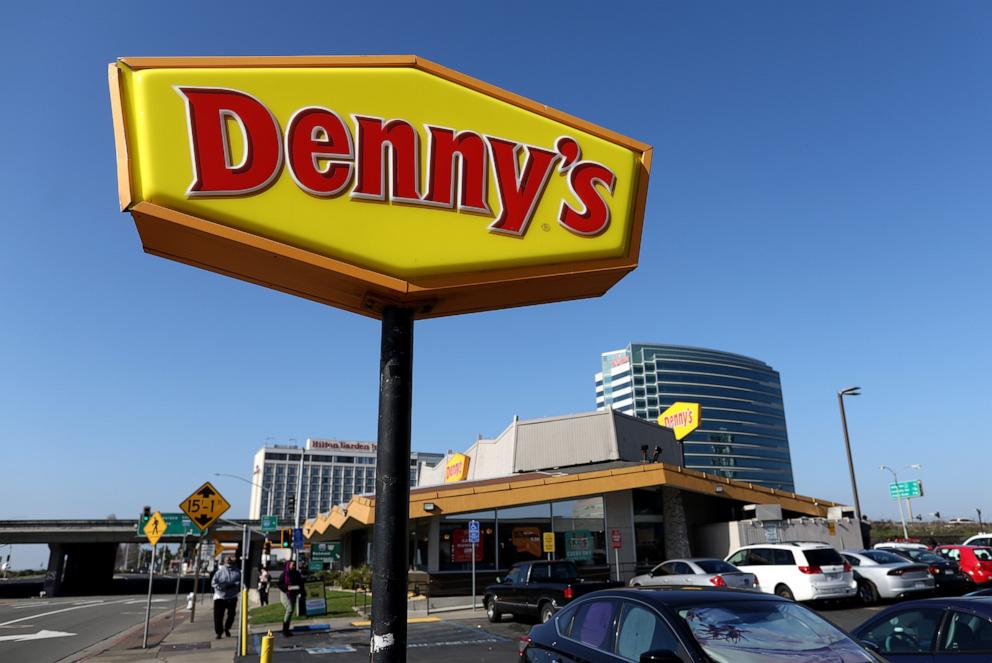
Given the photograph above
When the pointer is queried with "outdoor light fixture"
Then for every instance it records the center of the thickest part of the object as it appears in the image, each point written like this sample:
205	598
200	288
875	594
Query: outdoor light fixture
644	453
718	489
429	506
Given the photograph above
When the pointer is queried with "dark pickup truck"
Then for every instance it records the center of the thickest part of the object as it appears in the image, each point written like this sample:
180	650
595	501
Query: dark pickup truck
537	589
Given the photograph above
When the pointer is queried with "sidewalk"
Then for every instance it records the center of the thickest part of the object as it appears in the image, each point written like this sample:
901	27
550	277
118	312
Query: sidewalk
186	643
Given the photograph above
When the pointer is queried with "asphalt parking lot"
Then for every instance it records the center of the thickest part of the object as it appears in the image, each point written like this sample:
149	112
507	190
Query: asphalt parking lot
454	640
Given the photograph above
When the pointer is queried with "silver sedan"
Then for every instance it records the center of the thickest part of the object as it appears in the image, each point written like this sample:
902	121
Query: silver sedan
700	571
882	574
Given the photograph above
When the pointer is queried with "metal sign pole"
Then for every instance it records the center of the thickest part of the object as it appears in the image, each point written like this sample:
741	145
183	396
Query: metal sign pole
473	577
616	556
179	575
196	578
148	604
392	488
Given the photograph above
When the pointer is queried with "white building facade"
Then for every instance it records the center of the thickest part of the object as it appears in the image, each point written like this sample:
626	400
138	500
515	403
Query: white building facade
324	473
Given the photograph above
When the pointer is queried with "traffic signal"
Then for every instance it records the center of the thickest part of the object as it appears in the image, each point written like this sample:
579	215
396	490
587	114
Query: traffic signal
146	515
268	547
286	538
291	504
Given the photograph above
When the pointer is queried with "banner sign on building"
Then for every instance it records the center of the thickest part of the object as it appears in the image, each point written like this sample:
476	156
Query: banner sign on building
461	547
365	182
579	545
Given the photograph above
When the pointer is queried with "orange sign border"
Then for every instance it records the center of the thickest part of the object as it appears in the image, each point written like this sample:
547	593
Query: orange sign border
201	243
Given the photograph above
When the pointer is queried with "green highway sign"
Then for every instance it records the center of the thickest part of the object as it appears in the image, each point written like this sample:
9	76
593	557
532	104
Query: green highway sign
325	552
906	489
176	524
269	523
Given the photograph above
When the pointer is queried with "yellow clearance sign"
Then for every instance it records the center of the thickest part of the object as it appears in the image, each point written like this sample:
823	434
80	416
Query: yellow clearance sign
372	181
683	418
456	469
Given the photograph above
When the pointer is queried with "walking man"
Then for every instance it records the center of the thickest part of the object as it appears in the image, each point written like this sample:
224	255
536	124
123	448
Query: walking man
226	584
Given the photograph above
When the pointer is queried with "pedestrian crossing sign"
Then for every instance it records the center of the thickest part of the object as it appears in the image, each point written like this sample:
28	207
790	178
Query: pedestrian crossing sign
155	528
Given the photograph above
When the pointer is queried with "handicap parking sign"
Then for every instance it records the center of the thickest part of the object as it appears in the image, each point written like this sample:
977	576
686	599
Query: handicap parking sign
473	531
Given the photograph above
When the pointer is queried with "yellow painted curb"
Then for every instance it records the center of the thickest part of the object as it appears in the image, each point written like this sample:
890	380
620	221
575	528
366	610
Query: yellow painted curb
414	620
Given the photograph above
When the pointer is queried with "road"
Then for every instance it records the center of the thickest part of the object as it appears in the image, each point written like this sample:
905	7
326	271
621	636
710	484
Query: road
45	630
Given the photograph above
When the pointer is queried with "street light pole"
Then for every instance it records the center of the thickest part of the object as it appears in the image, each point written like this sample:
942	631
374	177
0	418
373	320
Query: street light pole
902	517
850	391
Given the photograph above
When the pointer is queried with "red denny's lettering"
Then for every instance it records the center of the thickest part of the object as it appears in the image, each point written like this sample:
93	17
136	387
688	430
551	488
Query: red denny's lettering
379	160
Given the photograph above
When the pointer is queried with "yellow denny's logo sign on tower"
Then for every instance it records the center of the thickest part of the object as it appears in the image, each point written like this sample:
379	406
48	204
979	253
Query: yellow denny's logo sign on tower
371	181
682	418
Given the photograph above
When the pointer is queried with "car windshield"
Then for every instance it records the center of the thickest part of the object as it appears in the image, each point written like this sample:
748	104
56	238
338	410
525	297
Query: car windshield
823	557
768	632
715	566
924	556
882	557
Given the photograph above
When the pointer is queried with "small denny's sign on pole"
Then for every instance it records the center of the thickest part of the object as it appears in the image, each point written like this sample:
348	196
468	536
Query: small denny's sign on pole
363	182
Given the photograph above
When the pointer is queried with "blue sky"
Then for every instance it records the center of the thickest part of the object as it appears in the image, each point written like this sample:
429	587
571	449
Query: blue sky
819	199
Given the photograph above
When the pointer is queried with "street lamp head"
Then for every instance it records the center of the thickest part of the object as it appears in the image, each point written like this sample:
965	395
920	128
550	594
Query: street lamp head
850	391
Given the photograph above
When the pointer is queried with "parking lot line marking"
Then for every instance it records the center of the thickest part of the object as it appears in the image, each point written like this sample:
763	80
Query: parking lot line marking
412	620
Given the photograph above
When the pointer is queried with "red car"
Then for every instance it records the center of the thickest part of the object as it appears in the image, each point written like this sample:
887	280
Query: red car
975	561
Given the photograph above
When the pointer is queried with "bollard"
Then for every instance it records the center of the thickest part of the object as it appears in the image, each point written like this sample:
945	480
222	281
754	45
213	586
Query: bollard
189	600
244	622
265	655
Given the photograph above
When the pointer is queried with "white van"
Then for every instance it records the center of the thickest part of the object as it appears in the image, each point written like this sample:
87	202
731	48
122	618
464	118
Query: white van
802	571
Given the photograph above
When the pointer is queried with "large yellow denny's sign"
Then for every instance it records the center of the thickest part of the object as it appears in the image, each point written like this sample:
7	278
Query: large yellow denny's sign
369	181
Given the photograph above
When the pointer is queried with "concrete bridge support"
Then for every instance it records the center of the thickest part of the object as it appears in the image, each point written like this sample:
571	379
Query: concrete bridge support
80	569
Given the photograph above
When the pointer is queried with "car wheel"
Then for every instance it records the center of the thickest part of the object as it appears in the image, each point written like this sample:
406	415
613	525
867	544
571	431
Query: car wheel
546	611
867	592
784	592
492	613
636	584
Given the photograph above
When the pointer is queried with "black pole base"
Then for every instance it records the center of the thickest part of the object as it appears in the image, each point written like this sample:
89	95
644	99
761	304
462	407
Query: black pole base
392	489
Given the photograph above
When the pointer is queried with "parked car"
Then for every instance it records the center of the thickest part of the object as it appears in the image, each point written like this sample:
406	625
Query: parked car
960	521
537	589
983	539
696	571
900	545
944	571
975	562
689	626
937	630
985	591
884	575
799	570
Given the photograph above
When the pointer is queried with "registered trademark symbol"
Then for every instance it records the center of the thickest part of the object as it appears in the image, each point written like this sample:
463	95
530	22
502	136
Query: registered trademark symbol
545	227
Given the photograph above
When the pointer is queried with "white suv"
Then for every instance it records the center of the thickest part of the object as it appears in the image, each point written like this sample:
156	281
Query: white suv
797	570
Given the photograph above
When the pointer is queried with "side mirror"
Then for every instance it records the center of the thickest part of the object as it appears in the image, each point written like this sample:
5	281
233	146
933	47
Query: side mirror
660	656
499	580
871	646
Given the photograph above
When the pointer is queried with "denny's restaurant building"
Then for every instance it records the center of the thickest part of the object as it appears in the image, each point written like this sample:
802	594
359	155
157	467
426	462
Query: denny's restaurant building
614	504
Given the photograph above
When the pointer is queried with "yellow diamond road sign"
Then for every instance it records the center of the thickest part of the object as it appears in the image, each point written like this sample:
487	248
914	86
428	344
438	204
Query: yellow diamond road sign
155	528
205	506
683	418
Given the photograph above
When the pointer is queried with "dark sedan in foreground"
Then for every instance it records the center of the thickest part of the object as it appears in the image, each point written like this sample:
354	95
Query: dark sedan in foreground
689	625
932	631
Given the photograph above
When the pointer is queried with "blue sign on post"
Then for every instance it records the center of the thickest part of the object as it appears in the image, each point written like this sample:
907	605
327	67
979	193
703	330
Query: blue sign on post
298	538
473	531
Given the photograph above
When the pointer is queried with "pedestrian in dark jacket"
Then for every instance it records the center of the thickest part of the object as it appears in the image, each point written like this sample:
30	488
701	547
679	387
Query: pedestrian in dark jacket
291	584
226	583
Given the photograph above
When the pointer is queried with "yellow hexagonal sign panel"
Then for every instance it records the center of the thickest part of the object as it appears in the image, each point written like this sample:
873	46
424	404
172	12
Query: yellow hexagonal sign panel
683	418
370	181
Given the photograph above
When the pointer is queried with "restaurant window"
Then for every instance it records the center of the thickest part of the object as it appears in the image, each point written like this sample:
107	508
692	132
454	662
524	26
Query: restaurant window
520	531
579	532
455	548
